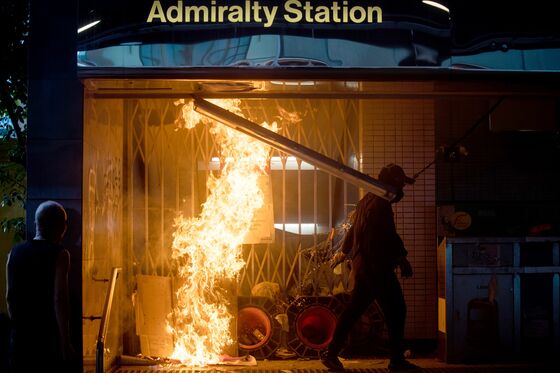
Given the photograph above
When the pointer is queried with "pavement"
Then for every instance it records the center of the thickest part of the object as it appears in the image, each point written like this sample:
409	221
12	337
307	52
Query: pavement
300	365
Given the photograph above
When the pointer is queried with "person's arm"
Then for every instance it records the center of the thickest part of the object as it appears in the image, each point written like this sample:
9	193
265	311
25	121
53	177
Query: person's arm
405	266
62	302
394	239
396	243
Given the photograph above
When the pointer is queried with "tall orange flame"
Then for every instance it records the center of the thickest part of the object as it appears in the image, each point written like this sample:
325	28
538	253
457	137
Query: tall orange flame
207	248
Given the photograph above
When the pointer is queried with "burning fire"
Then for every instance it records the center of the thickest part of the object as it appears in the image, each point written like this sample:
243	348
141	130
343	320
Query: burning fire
208	247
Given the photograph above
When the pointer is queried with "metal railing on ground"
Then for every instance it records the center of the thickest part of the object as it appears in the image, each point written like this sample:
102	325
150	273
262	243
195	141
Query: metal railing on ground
104	325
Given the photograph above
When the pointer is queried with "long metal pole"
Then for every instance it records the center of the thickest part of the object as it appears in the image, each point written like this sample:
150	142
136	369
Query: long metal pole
104	325
291	147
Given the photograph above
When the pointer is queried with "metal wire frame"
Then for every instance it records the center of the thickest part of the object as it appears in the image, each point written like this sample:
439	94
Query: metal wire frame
167	170
164	171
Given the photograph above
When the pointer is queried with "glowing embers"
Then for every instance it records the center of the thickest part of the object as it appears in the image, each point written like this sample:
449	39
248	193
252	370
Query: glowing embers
207	248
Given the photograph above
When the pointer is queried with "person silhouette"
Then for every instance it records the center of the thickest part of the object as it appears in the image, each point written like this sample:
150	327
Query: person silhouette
37	295
376	250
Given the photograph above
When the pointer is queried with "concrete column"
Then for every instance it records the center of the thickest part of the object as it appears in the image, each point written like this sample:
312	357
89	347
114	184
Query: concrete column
54	158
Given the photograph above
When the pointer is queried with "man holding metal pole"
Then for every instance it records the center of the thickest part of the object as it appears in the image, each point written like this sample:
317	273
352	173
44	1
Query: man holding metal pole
376	250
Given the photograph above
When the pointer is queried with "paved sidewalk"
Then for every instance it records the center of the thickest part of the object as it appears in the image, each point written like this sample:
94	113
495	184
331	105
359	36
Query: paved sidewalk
427	365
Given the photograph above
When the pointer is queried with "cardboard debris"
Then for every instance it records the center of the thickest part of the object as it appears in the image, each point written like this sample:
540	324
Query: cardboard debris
155	300
154	304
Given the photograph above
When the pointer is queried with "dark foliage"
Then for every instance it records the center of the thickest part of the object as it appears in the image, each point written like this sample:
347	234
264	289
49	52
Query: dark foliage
14	27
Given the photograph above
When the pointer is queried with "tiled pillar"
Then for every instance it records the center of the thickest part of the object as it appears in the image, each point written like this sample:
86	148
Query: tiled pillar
402	132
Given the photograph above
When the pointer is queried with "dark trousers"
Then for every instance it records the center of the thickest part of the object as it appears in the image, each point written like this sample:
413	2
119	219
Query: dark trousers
35	351
386	290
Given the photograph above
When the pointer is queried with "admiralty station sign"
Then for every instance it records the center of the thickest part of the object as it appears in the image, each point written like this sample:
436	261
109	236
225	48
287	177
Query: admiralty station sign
377	23
263	13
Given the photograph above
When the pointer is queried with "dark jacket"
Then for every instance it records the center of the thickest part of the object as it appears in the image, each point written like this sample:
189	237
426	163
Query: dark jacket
30	296
372	240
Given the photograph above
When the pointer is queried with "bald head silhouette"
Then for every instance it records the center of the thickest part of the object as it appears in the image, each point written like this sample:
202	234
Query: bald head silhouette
50	221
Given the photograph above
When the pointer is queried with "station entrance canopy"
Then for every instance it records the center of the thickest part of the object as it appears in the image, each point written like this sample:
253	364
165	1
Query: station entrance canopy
325	33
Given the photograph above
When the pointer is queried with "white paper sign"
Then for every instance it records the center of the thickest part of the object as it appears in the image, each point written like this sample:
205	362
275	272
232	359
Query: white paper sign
262	226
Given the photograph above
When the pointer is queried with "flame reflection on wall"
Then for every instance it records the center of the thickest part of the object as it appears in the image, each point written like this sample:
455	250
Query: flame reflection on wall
207	248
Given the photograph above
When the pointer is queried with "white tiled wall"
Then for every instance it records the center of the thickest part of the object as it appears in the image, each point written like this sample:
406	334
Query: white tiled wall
402	131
